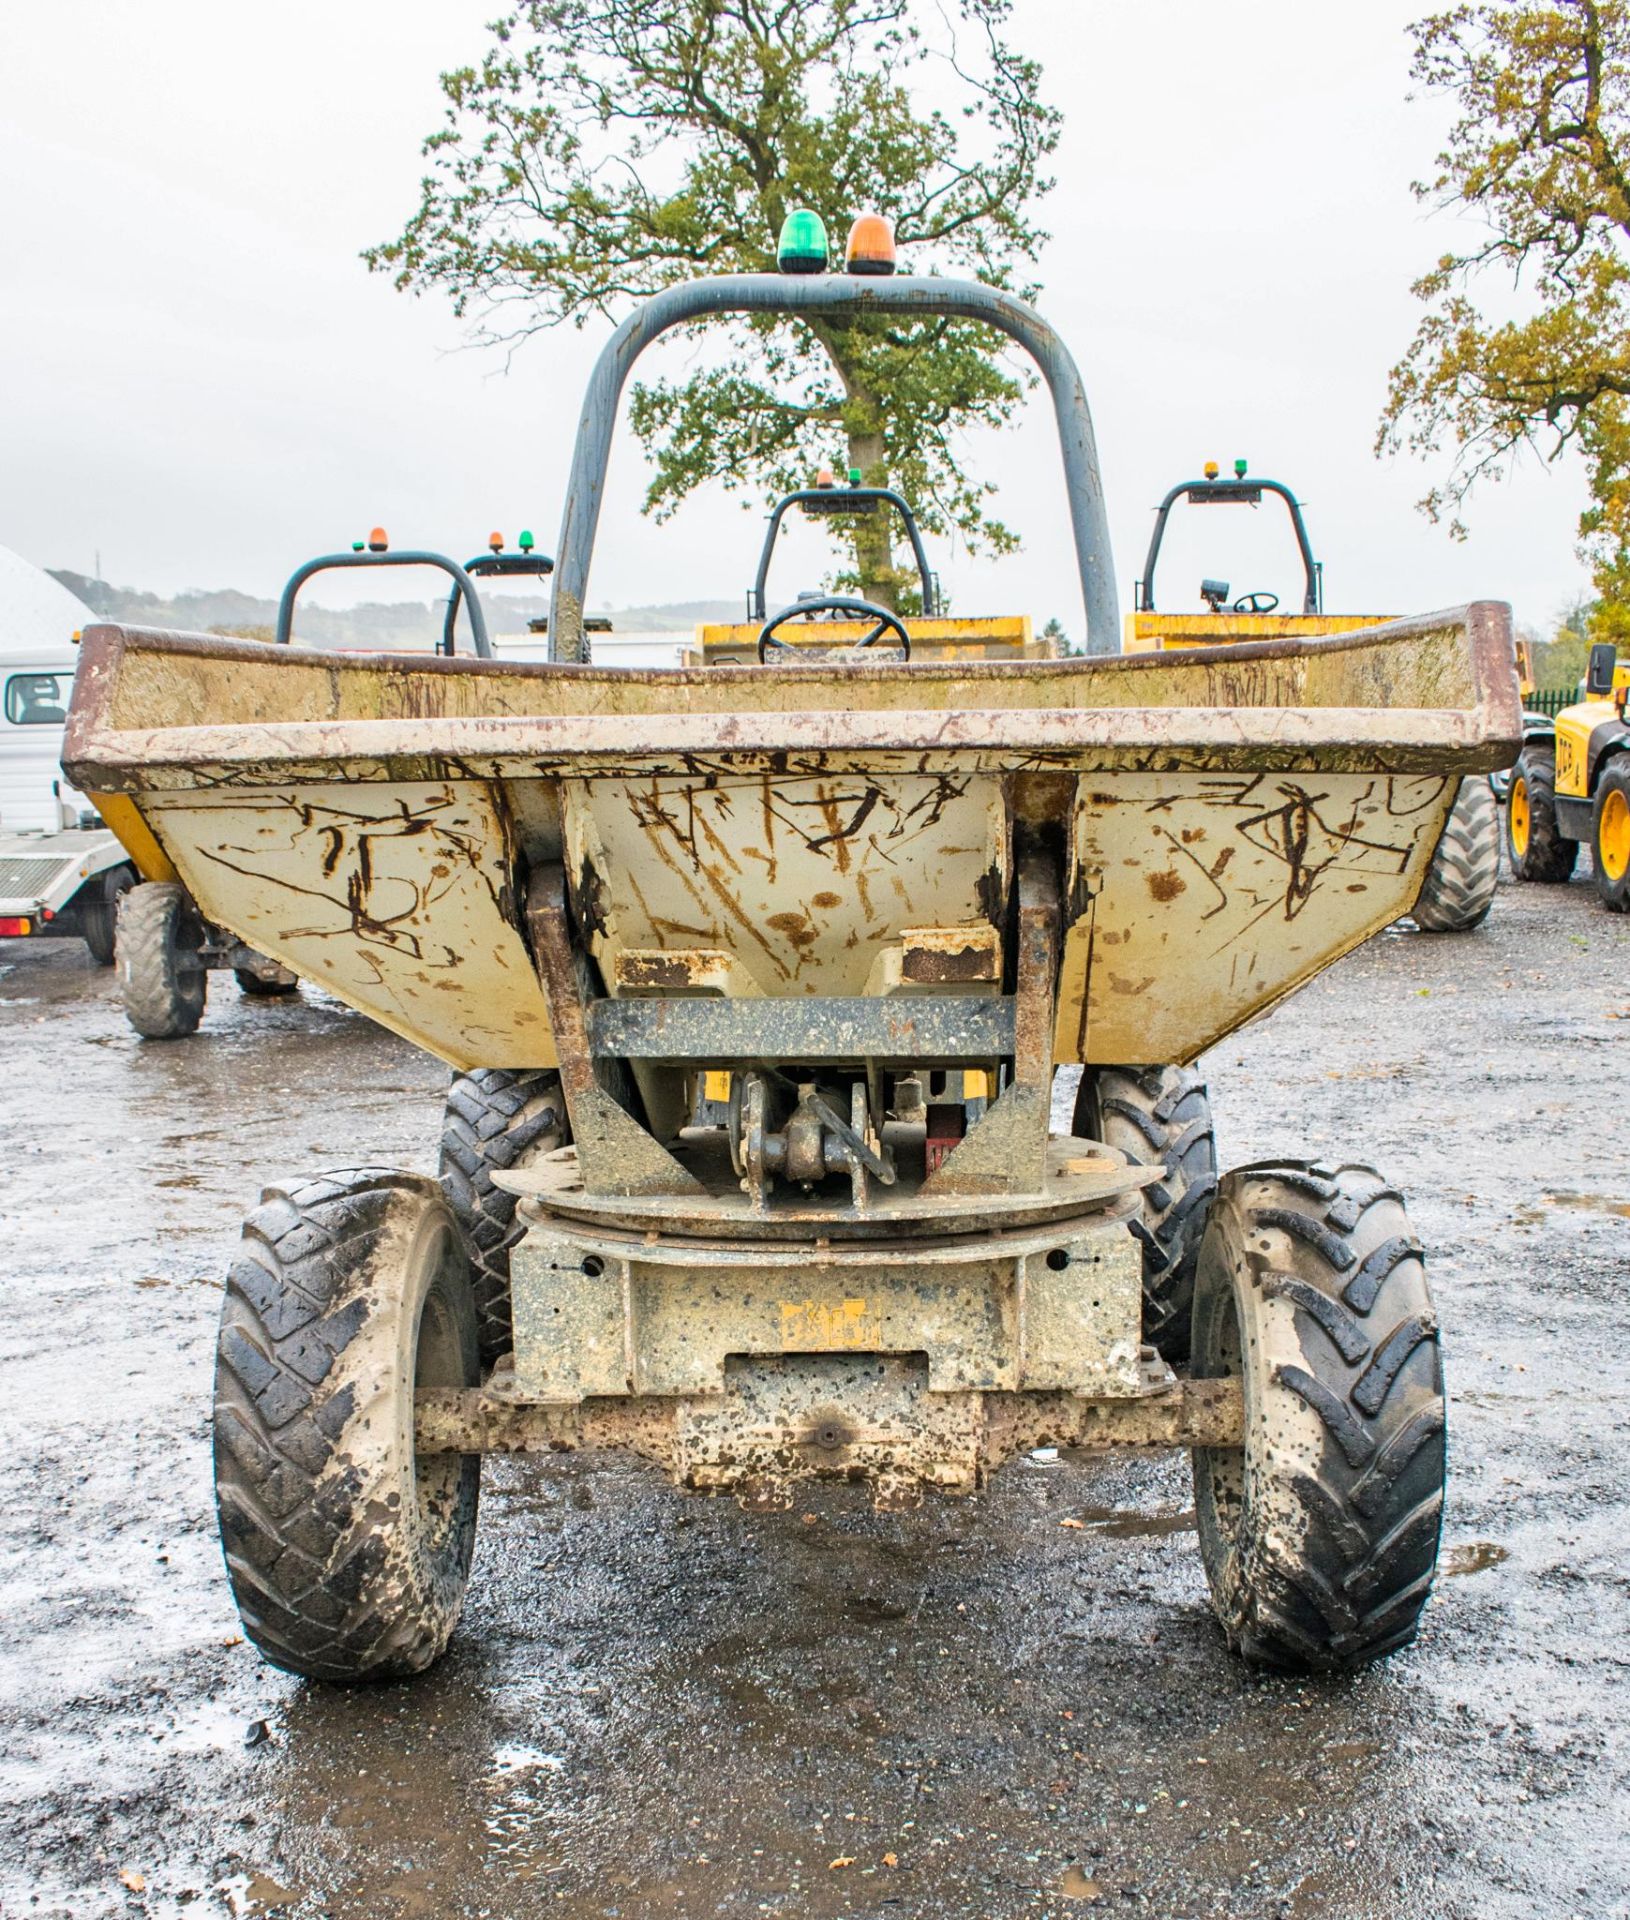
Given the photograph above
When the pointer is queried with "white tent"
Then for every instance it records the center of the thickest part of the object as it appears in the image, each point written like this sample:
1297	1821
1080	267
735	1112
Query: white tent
38	617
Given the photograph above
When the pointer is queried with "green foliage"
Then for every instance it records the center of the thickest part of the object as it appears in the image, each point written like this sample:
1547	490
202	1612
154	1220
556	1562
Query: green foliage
606	148
1559	663
1539	153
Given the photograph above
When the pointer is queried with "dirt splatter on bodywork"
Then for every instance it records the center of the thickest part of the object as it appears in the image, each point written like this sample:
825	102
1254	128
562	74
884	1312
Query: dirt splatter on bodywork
1237	819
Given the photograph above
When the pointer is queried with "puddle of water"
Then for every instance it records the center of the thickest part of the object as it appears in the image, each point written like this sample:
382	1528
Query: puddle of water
1130	1523
517	1759
1471	1556
249	1895
210	1727
1076	1886
1596	1202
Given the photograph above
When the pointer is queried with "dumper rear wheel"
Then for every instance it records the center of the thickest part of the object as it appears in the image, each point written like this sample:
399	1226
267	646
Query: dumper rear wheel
348	1553
99	917
496	1120
1320	1535
158	948
1535	843
1459	886
1159	1116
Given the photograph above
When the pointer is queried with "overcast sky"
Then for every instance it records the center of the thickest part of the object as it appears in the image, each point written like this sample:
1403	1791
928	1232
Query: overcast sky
200	382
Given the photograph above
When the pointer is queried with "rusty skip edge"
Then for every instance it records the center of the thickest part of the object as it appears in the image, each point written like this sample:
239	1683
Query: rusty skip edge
101	756
1189	1413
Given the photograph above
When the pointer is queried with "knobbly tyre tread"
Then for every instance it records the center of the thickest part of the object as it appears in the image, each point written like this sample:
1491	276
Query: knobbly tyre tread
163	995
1551	855
1459	886
336	1577
1328	1557
496	1119
1159	1116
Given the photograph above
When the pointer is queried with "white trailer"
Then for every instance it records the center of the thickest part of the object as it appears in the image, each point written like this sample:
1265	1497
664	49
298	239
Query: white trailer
62	872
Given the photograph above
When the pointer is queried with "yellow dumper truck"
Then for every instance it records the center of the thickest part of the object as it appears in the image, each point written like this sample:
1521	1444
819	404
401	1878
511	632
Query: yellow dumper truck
1460	883
877	900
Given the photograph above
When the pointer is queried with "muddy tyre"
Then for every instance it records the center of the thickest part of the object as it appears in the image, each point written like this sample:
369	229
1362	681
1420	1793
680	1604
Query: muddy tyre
348	1554
1159	1116
1459	886
1535	844
1610	836
162	977
1320	1536
496	1119
99	916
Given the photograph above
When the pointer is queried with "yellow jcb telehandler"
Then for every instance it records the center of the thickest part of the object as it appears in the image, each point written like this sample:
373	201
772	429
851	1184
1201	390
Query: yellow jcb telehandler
1571	786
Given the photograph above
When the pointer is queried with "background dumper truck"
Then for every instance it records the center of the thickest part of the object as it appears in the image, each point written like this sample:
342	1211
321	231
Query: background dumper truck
1459	886
852	907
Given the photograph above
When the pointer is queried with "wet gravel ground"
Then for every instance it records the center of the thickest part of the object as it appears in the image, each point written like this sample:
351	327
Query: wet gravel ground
660	1706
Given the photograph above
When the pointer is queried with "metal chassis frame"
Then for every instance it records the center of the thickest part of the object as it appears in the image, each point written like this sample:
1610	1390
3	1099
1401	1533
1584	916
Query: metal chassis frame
1182	1413
828	497
835	296
462	584
1237	492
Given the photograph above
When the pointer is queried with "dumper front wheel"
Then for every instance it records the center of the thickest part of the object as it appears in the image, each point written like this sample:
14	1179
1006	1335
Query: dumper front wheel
1159	1116
496	1120
158	948
1320	1534
347	1551
1459	886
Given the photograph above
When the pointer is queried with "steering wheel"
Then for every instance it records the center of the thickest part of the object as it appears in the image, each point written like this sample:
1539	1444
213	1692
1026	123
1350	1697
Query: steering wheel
861	609
1256	603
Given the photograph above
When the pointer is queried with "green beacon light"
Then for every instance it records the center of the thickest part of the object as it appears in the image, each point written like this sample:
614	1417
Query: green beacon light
526	543
359	546
802	246
854	476
1239	469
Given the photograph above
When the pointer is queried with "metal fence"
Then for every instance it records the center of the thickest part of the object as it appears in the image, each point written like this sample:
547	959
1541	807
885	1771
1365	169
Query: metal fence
1550	700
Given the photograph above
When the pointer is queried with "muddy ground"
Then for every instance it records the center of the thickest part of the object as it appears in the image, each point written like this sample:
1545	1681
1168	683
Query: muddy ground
659	1706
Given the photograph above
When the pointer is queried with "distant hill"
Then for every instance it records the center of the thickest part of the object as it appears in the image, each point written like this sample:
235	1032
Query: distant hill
393	624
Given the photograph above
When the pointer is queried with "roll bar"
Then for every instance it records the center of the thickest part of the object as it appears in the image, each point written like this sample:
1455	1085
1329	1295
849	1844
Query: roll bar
831	296
840	500
536	564
1231	493
462	584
